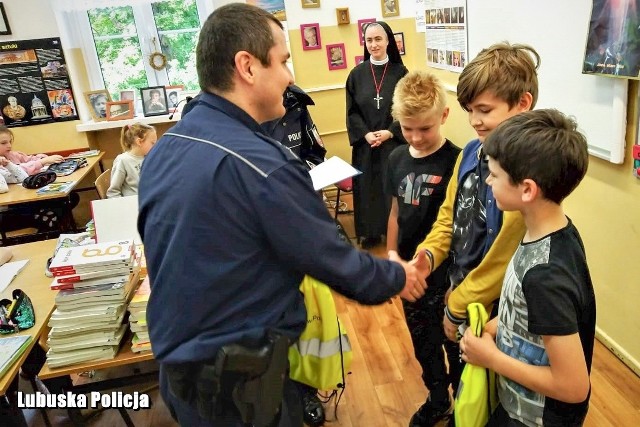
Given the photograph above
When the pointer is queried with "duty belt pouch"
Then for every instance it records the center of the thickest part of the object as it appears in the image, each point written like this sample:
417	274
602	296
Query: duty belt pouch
259	395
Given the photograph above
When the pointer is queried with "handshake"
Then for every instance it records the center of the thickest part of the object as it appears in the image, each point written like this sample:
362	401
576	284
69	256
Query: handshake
416	272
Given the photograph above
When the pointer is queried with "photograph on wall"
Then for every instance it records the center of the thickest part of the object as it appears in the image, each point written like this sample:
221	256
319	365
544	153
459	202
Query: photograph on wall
362	23
613	41
336	57
399	38
446	34
275	7
34	83
389	8
310	36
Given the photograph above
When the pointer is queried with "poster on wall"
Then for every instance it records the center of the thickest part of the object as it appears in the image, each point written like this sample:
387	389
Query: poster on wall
613	42
446	34
34	83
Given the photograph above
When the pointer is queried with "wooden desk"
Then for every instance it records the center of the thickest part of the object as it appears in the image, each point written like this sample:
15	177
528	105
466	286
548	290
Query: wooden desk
18	194
124	357
35	284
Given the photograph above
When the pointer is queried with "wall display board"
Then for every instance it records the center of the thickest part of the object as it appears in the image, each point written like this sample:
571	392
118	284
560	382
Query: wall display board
35	87
598	104
446	34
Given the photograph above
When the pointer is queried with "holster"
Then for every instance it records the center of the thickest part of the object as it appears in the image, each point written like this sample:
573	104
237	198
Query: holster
251	378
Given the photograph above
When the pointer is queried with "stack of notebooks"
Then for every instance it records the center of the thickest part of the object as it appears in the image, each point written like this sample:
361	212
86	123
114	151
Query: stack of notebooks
94	282
138	317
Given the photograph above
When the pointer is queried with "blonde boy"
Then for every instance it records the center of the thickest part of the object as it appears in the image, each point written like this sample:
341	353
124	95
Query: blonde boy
416	179
541	343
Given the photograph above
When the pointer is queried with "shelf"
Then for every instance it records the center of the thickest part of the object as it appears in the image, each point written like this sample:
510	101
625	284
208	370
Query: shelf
116	124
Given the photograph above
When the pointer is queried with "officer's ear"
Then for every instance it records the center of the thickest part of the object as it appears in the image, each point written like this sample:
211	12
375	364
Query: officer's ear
244	61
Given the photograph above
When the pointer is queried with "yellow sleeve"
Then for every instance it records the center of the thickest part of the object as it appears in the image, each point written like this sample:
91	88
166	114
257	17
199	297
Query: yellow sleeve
483	283
438	241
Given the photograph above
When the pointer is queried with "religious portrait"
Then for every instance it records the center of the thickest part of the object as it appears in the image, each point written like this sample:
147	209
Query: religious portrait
361	25
342	15
336	56
390	8
399	38
309	3
310	34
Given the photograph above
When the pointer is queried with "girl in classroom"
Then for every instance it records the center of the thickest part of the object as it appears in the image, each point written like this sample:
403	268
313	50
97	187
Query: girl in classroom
45	215
136	141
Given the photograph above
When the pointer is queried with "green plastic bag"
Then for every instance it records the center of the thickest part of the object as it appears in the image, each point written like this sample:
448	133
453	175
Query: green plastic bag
477	396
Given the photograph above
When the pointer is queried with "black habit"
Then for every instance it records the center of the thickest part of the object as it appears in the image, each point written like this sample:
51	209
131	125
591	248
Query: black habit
371	205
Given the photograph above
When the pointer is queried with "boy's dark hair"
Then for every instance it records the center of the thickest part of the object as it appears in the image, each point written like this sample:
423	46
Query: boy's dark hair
228	30
507	70
542	145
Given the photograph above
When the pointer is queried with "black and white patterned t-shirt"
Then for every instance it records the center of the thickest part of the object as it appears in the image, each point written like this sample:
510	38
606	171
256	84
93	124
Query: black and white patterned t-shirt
547	290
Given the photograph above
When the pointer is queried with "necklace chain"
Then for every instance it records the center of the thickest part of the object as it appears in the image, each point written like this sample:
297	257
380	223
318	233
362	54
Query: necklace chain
376	85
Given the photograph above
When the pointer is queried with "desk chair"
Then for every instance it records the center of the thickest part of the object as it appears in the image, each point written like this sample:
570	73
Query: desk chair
344	186
102	183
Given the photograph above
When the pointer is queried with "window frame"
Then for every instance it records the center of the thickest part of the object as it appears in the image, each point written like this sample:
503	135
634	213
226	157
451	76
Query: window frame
144	22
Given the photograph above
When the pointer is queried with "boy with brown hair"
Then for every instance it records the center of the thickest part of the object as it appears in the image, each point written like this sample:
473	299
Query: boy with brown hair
416	178
499	83
541	343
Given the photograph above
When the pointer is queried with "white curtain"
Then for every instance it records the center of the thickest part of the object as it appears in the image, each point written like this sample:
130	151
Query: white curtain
81	5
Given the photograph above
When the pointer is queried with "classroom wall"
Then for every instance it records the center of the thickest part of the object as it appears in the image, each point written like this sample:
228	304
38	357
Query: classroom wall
604	207
35	20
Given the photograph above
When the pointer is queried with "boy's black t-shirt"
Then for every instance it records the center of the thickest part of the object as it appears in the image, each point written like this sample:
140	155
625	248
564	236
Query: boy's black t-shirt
547	291
419	185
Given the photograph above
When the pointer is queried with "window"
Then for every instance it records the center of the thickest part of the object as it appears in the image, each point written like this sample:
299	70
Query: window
125	38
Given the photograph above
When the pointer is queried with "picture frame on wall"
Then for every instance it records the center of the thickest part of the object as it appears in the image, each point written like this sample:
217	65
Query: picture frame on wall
359	59
310	34
97	102
399	37
390	8
309	3
361	24
342	15
5	29
336	56
120	110
154	101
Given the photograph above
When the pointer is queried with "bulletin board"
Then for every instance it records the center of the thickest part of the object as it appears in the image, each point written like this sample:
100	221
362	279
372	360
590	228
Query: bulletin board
35	87
558	31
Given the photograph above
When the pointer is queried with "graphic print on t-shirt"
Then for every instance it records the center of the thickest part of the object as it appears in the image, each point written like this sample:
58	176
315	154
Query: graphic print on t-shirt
514	337
412	187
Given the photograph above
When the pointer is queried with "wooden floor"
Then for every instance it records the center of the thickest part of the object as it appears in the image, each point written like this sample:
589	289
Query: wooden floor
384	387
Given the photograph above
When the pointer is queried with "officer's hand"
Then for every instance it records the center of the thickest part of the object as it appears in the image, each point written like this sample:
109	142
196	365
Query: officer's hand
415	284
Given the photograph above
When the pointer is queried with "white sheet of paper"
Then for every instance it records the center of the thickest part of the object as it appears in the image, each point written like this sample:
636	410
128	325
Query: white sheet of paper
116	219
331	171
10	270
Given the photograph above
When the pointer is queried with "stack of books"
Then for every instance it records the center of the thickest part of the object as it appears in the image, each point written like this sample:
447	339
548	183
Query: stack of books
94	282
138	317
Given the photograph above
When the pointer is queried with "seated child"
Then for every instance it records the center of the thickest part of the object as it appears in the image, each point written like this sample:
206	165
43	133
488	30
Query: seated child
43	215
136	141
541	343
30	163
10	173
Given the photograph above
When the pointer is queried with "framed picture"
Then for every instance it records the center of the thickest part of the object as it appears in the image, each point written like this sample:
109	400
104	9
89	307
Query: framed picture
97	102
361	25
310	36
5	29
342	15
399	37
120	110
336	57
390	8
174	96
359	59
310	3
154	101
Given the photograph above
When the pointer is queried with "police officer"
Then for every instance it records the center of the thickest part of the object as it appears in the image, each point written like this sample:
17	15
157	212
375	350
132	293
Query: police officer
230	224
